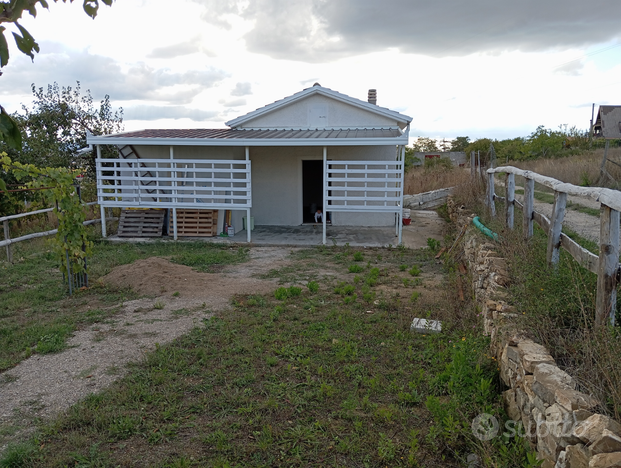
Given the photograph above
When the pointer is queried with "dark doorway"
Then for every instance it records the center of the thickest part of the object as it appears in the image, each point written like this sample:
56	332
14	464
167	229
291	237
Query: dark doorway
312	187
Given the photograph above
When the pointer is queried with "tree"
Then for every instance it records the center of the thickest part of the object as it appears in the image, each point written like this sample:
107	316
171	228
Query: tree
10	13
425	145
56	127
460	143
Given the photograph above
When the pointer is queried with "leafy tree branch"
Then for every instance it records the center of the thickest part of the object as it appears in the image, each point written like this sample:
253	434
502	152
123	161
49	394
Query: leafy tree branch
10	13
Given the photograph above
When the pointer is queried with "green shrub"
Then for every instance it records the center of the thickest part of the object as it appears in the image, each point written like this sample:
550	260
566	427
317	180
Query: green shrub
355	269
313	286
294	291
281	293
358	257
415	270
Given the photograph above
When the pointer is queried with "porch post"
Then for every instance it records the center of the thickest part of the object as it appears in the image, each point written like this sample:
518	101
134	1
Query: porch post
100	199
325	191
400	217
248	224
174	191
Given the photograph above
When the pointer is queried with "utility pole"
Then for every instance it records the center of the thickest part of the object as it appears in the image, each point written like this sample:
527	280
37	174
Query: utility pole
591	129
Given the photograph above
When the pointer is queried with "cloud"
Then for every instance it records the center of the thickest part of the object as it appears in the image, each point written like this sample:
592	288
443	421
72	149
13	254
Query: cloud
233	102
192	46
572	68
167	112
323	30
242	89
103	75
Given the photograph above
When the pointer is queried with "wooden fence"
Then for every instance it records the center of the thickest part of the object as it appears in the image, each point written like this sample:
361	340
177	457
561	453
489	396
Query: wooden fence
7	232
605	266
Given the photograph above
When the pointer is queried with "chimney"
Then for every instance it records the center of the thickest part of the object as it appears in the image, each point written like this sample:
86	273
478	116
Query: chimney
373	96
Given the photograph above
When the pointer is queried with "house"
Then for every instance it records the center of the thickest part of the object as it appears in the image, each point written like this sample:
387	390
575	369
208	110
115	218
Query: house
608	123
316	149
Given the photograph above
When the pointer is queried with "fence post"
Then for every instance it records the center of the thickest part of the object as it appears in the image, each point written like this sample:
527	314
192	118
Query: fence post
529	203
606	301
473	165
7	236
490	193
510	200
556	224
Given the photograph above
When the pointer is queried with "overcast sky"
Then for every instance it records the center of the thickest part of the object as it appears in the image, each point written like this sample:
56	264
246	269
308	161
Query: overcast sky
477	68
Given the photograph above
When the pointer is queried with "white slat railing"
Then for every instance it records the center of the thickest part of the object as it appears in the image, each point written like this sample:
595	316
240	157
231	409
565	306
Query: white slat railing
368	186
605	266
178	183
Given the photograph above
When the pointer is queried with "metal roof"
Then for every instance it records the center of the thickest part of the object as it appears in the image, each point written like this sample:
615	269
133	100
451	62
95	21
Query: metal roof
256	137
317	89
608	122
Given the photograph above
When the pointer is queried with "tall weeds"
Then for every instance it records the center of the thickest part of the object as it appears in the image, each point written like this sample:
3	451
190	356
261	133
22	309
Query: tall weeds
582	169
427	178
557	307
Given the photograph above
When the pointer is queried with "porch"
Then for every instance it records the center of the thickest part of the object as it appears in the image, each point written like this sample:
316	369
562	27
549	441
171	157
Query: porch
425	224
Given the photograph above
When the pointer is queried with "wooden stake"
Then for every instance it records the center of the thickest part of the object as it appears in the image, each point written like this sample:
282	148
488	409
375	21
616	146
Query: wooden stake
529	203
490	193
510	199
606	303
556	224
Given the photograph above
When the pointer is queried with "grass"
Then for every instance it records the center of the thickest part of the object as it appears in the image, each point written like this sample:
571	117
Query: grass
314	376
424	179
582	169
558	308
38	316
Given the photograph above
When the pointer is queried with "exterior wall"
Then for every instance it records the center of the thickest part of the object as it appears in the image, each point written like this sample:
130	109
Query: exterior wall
303	113
277	183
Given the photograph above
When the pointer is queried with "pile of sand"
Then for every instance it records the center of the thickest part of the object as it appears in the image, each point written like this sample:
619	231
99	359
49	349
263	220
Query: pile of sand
157	276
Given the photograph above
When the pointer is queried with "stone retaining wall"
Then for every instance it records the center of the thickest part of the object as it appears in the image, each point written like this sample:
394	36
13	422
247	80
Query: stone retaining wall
560	422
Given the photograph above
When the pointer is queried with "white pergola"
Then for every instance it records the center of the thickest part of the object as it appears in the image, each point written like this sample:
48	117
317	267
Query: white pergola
226	184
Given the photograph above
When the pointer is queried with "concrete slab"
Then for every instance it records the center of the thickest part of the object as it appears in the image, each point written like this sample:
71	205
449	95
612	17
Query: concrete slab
424	224
421	325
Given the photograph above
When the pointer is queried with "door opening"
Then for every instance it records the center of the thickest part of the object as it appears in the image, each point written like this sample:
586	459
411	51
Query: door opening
312	189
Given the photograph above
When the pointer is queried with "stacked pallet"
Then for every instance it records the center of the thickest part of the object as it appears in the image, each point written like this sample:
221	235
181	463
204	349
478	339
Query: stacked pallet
195	223
141	223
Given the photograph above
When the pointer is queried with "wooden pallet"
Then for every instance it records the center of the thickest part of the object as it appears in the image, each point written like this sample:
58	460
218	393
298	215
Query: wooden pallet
141	223
195	223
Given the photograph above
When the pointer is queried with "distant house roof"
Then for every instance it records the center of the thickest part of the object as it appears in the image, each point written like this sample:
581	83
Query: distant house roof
245	137
404	120
608	122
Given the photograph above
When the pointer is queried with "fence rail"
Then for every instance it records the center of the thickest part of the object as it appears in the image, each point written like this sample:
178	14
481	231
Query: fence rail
606	266
7	233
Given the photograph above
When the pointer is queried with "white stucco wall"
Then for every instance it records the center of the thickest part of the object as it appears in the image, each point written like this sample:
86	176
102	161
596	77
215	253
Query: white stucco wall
338	114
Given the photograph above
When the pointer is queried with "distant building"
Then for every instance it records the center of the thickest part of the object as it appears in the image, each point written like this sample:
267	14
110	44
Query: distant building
457	157
608	123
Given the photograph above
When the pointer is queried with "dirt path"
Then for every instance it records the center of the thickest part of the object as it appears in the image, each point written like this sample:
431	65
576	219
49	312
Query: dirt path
45	385
583	224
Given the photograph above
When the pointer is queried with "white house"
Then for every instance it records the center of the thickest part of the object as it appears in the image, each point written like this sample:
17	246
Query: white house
315	149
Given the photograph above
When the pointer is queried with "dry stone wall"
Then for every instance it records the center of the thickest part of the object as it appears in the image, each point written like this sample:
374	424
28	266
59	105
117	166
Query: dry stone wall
560	422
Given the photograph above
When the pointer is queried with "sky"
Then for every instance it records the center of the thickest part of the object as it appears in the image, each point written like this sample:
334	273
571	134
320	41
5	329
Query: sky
477	68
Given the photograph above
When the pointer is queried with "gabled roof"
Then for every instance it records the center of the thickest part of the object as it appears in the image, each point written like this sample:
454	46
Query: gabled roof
317	89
